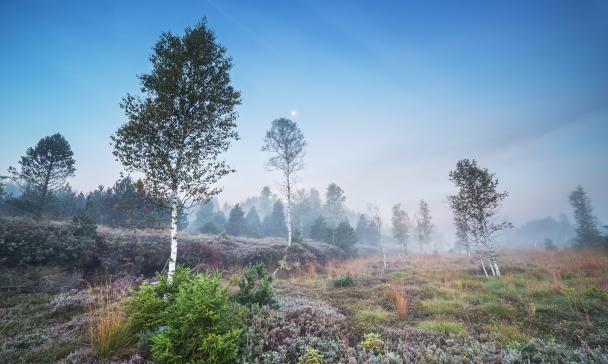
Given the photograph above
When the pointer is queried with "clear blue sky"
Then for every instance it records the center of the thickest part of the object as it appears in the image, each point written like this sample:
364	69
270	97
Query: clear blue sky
389	94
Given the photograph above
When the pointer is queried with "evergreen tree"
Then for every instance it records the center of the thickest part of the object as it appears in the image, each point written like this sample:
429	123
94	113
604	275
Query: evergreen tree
177	130
373	232
274	224
265	202
345	238
204	214
587	232
253	225
44	169
361	230
236	221
319	231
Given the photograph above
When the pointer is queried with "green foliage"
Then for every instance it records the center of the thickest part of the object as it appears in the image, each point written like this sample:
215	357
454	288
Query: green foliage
84	224
236	221
373	343
497	309
274	224
343	281
312	356
345	238
549	245
44	169
194	320
255	286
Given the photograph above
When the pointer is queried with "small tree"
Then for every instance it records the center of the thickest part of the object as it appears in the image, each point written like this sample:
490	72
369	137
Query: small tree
176	132
286	142
274	224
253	225
477	203
44	169
334	205
319	230
424	226
587	233
236	221
345	237
401	226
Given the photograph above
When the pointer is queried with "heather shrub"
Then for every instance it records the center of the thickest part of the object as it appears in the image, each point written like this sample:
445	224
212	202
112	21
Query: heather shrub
285	334
255	286
191	320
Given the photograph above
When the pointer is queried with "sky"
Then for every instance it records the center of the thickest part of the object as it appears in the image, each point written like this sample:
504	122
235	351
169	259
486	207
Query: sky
389	94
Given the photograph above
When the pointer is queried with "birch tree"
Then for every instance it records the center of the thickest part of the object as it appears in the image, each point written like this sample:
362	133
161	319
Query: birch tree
184	119
286	143
477	203
401	226
44	169
424	226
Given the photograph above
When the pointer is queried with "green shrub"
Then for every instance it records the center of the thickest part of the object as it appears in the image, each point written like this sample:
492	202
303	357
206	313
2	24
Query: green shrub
255	287
84	224
343	281
312	356
192	319
373	343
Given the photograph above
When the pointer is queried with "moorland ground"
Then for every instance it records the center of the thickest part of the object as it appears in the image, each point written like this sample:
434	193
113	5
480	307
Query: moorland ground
548	306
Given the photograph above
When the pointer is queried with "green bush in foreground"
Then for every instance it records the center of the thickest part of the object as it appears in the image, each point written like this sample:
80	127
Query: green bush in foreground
312	356
373	343
255	287
343	281
189	321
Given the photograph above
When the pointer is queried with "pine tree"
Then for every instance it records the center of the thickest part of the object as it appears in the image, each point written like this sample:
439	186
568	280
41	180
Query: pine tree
587	232
319	231
253	225
236	221
345	238
334	205
44	169
361	230
274	224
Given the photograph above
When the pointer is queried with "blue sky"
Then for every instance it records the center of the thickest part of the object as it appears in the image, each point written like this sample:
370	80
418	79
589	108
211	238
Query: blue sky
389	94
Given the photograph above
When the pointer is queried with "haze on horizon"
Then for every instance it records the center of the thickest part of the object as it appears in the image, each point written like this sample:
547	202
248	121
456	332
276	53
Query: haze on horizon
388	97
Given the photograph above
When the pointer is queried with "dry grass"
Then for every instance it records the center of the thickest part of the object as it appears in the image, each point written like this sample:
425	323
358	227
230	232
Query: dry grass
396	292
108	330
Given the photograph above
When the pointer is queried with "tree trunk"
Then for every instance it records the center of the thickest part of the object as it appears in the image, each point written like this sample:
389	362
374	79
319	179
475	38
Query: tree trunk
493	262
288	211
173	256
492	268
384	257
44	192
483	266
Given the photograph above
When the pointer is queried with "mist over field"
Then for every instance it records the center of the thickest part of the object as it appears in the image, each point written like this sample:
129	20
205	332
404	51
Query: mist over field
304	182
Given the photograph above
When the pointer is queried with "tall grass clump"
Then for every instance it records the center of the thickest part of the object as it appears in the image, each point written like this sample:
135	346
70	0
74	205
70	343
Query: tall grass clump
397	294
443	326
109	332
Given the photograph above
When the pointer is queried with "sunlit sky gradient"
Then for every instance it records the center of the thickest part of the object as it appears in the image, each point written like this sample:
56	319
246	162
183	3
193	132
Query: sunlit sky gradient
389	94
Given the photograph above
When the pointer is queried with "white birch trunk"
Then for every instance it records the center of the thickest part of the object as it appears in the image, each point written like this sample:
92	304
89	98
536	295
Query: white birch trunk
492	268
493	261
288	212
173	256
483	266
384	257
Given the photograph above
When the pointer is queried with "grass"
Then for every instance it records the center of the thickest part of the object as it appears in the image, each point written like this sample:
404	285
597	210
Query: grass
442	306
510	335
497	310
397	294
109	332
443	326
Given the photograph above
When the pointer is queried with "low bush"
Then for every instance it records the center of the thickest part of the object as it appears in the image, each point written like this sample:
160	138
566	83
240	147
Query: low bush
373	343
255	286
312	356
343	281
192	319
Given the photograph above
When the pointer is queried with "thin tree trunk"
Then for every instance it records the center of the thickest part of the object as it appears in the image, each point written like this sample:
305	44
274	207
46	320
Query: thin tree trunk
44	193
493	262
492	268
483	266
384	257
288	212
173	256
